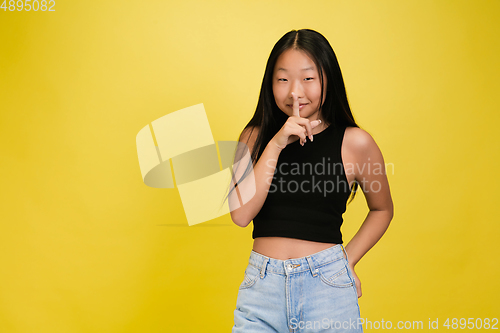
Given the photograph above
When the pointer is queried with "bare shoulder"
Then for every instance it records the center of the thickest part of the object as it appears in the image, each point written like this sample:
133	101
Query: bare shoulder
252	131
358	140
247	140
249	136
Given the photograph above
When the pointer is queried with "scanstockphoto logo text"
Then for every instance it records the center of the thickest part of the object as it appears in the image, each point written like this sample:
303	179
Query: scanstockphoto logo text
325	176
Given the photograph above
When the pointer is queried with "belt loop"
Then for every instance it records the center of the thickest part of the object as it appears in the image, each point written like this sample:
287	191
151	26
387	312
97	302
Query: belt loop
314	271
343	249
263	268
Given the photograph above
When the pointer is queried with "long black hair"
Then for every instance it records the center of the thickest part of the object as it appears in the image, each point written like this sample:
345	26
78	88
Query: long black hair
335	111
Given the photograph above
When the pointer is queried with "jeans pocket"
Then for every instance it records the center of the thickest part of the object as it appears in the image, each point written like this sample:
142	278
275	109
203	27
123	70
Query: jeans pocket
251	275
335	274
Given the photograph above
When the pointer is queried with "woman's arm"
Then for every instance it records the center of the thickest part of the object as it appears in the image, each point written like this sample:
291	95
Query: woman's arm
370	173
263	172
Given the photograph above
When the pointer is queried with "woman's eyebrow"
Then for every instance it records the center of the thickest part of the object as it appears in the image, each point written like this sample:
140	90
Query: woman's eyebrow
304	69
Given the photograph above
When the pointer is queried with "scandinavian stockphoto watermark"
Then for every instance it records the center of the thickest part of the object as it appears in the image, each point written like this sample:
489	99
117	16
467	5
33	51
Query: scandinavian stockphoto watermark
326	324
200	168
365	323
325	176
213	178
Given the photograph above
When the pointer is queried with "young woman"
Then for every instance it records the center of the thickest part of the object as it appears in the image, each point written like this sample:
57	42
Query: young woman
308	156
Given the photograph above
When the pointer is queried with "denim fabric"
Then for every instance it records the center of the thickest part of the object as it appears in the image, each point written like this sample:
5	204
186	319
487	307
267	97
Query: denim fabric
315	293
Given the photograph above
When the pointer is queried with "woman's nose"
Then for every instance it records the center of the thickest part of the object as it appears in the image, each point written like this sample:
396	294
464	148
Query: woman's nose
296	87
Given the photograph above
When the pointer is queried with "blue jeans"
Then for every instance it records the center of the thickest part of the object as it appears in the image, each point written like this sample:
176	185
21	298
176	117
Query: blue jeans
315	293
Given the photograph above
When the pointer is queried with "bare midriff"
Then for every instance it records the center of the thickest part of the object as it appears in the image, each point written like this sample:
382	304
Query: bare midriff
283	248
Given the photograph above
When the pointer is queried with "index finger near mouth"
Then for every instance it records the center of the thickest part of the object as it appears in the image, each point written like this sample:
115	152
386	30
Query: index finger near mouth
295	106
307	124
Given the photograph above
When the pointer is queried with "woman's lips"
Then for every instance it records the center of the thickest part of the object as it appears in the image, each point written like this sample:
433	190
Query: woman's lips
300	105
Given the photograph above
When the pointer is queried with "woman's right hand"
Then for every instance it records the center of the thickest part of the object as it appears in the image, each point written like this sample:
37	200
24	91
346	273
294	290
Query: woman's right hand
295	126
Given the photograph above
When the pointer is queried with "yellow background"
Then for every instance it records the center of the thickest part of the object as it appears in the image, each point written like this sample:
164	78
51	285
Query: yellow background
87	247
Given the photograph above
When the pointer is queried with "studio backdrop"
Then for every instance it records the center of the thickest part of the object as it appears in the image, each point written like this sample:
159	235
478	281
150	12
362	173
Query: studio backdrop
88	246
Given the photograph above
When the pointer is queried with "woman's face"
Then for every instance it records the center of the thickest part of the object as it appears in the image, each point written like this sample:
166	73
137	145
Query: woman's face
296	72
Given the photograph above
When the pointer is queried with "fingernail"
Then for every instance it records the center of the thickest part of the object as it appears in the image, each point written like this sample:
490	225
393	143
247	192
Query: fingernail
310	137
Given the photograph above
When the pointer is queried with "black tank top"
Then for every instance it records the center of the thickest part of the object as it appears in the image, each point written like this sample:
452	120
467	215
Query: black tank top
309	191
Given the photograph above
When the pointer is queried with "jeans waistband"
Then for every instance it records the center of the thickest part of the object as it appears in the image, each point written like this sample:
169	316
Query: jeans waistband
297	265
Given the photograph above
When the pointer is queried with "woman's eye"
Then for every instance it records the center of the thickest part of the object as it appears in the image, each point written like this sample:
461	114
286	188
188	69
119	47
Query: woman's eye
281	79
309	78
